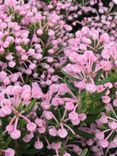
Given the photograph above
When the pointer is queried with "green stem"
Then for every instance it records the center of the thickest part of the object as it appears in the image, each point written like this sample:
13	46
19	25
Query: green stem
18	149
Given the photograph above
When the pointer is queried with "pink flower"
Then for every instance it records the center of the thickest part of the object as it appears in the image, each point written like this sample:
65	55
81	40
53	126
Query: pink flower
32	66
26	139
104	37
42	130
81	85
100	135
26	93
73	115
12	64
106	99
106	65
103	143
48	115
51	32
15	134
6	110
53	131
62	133
90	87
38	144
39	122
67	154
76	121
9	152
36	91
103	119
115	102
113	125
39	31
82	116
31	126
69	106
9	128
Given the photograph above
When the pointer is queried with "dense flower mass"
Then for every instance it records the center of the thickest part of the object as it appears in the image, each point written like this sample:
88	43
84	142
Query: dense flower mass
58	78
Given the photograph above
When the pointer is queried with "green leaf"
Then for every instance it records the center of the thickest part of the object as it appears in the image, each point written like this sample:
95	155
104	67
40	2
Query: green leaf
68	76
84	152
113	135
7	143
30	107
62	151
111	78
31	152
99	73
85	134
99	95
84	100
95	110
71	86
91	118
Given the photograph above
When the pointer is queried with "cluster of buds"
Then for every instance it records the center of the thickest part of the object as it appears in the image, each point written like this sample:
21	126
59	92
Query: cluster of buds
58	78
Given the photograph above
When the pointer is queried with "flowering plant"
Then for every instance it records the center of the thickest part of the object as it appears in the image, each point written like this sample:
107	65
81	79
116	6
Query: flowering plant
58	78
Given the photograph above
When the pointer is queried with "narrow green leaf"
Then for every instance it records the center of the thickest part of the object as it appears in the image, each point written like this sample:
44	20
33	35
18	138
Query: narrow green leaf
111	78
96	110
71	86
99	73
99	95
30	107
91	118
68	76
85	134
84	152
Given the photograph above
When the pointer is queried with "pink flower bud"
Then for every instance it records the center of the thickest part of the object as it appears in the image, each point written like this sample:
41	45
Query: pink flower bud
32	66
100	135
104	143
51	32
115	102
90	87
15	134
106	99
6	44
39	122
104	37
9	152
48	115
38	144
73	115
26	139
30	135
82	116
31	126
67	154
9	128
39	31
113	125
12	64
62	133
6	81
42	130
6	110
53	132
24	57
36	91
76	121
69	106
103	119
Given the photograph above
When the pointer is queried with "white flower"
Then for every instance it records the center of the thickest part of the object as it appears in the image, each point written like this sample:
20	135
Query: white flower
115	1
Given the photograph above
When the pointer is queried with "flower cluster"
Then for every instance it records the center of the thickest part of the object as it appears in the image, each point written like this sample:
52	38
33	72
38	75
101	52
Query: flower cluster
58	78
